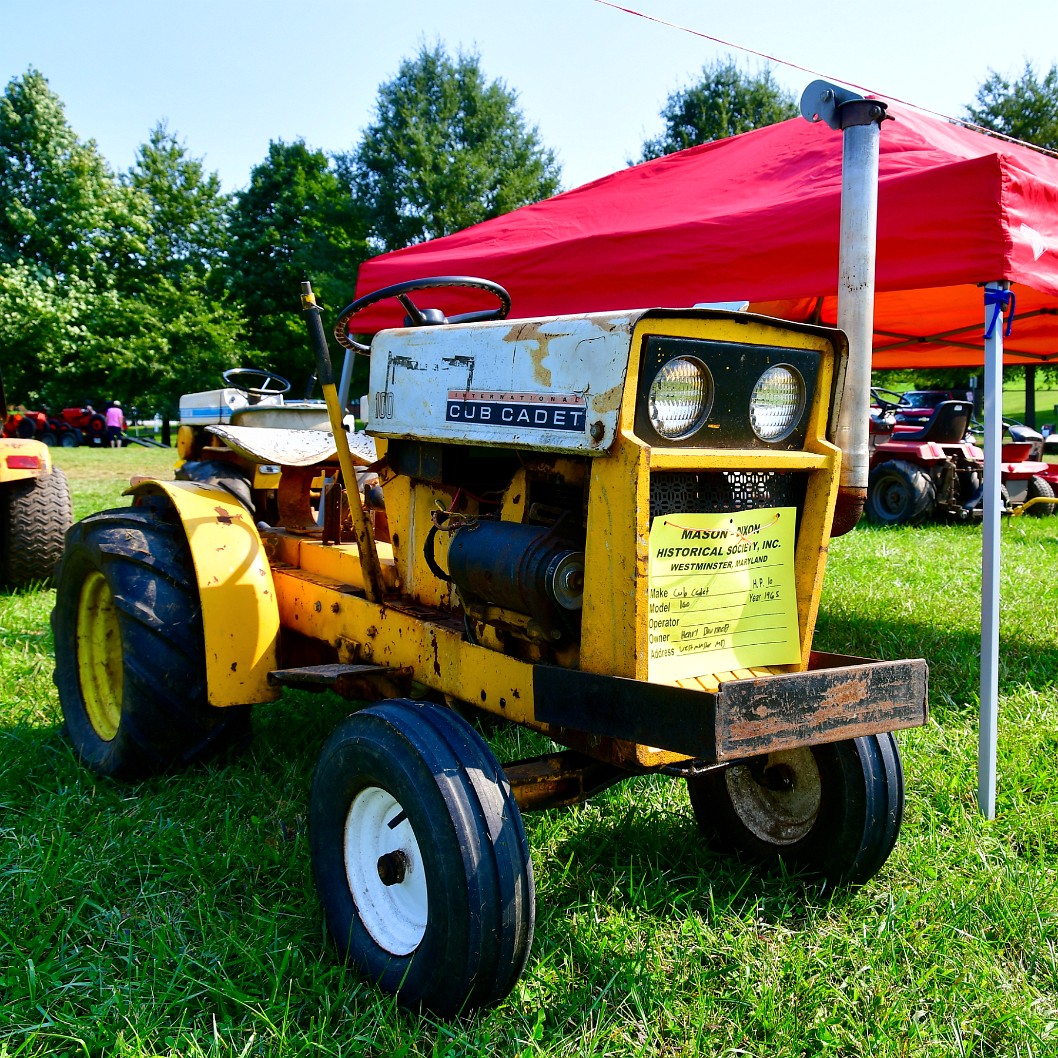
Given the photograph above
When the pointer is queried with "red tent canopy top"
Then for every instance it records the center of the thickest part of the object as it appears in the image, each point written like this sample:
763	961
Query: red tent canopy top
755	218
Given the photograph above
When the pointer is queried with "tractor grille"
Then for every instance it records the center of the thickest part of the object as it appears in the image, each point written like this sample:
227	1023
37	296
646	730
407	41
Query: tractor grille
718	492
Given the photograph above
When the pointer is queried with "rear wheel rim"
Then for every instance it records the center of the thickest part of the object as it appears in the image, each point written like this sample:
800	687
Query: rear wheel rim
99	656
385	871
780	804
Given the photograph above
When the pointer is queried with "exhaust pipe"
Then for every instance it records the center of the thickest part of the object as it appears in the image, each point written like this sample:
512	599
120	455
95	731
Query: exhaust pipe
860	121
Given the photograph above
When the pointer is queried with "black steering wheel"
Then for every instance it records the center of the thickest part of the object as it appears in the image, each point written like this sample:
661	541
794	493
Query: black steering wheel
880	397
422	317
268	383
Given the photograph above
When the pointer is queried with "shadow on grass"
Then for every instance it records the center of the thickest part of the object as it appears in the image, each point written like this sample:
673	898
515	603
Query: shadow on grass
953	654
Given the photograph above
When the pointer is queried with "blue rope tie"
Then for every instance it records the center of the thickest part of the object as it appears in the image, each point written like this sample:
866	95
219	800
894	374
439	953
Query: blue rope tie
998	299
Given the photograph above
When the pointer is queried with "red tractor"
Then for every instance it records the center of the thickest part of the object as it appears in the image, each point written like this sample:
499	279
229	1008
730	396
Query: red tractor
86	424
936	469
1025	475
923	472
40	426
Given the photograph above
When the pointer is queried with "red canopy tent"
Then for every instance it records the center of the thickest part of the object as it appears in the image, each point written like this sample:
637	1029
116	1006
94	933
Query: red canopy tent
755	217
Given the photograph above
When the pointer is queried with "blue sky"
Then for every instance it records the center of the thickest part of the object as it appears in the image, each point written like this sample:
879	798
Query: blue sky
229	75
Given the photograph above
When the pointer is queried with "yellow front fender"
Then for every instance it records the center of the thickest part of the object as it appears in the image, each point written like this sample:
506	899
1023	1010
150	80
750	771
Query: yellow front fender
240	616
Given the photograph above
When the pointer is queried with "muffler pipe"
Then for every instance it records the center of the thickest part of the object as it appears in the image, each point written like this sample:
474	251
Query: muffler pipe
860	121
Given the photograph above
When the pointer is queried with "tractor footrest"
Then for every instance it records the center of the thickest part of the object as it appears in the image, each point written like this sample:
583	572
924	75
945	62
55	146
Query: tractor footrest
350	681
556	780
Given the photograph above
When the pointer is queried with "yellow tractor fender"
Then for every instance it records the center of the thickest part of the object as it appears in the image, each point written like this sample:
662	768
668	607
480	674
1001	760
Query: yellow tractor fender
22	458
240	615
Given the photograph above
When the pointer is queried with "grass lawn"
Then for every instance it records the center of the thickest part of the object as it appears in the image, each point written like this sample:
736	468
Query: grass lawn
177	917
1014	403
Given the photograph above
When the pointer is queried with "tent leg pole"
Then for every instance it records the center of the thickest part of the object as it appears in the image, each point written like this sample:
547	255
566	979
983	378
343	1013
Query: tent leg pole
988	732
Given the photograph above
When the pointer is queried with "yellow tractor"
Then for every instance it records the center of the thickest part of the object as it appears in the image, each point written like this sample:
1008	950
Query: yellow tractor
35	509
609	528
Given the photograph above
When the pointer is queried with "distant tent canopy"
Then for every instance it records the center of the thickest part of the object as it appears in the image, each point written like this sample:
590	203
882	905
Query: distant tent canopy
755	217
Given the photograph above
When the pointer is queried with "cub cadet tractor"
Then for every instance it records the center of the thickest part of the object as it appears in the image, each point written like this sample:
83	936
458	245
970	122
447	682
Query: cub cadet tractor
609	528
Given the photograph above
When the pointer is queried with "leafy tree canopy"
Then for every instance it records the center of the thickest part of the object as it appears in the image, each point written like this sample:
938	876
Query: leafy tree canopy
185	205
295	220
1026	108
89	298
447	149
60	207
725	102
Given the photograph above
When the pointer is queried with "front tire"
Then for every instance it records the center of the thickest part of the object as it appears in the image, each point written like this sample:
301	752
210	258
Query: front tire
899	493
420	857
130	654
36	513
832	810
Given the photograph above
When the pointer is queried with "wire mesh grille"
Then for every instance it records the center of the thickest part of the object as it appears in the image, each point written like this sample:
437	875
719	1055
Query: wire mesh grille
720	492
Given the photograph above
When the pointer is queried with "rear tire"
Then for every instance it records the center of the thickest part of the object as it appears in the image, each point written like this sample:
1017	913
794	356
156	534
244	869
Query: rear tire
899	493
130	655
420	857
833	810
1040	487
36	513
213	472
70	438
96	430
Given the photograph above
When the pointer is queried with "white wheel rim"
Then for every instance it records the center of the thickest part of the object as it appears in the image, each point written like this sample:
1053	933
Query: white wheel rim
379	841
778	816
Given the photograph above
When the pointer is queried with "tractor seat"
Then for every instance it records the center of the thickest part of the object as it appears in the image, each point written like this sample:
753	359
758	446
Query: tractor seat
947	425
293	448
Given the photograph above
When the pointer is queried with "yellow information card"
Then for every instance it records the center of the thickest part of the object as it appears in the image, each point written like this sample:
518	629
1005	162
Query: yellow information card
722	593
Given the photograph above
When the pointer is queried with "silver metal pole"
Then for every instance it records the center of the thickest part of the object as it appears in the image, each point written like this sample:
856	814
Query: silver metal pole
988	732
860	122
856	264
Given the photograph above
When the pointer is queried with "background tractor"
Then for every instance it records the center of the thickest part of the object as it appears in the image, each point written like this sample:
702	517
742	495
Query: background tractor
608	528
935	469
35	509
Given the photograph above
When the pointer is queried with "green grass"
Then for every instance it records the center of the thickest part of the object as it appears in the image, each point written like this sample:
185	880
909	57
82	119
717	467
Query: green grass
1014	403
177	916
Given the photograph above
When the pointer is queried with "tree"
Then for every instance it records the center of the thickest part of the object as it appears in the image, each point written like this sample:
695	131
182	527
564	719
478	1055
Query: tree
1026	109
185	205
61	209
296	220
447	149
98	295
725	102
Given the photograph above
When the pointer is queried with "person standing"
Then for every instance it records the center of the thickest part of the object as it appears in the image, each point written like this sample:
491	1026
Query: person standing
115	424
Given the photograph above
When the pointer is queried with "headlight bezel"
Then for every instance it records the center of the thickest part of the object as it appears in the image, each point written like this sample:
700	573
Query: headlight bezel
792	412
701	406
735	368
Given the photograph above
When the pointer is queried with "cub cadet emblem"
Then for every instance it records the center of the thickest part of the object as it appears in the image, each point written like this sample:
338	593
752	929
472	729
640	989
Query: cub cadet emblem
543	411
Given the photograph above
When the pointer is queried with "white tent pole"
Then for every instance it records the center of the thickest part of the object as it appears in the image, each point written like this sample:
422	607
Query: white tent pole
993	421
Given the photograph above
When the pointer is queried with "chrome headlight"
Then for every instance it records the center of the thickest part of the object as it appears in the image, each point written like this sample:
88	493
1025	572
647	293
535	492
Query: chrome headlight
680	397
777	402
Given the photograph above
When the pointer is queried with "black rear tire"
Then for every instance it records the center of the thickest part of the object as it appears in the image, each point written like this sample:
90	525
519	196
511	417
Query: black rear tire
899	493
1040	487
832	810
70	438
130	656
420	857
213	472
36	513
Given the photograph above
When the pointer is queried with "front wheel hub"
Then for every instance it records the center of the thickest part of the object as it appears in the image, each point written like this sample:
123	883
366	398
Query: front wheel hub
100	667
